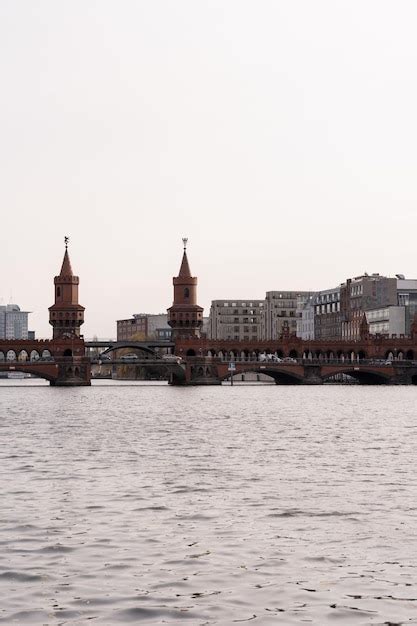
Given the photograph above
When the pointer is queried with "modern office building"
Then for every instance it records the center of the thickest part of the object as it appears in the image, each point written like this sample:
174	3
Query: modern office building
388	320
13	322
407	297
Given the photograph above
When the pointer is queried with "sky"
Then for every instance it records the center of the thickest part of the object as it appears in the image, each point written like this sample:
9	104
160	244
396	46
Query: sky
279	136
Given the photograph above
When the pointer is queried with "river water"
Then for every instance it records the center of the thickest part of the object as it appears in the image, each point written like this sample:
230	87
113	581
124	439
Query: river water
260	504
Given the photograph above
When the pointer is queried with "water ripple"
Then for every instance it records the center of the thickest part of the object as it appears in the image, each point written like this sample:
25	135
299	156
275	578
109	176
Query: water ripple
259	505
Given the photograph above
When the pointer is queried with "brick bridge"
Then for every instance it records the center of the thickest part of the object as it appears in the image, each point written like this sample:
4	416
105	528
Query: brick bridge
368	347
212	371
64	359
387	366
370	360
383	360
60	361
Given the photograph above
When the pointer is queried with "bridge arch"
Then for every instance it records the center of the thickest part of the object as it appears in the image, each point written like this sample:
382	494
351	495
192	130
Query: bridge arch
280	376
362	376
130	346
36	370
23	356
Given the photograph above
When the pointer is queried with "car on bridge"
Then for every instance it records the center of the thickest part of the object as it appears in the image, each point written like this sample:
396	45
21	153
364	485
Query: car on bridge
269	357
380	362
129	357
172	358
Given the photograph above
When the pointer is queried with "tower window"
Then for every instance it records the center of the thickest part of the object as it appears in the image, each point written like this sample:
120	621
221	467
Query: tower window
58	292
186	293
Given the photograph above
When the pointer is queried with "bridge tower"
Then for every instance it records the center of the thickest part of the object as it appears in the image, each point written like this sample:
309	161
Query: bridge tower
66	314
185	316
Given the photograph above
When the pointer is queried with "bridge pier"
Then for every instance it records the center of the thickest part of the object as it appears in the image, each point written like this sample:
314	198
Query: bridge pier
200	371
404	373
312	374
72	372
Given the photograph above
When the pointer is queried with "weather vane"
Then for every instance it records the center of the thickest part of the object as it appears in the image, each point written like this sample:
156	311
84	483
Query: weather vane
184	241
66	239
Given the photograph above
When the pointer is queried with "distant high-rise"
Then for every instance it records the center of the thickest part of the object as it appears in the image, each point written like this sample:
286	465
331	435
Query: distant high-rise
13	322
185	316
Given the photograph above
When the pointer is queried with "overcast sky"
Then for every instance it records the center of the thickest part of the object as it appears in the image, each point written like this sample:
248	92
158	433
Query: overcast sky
280	136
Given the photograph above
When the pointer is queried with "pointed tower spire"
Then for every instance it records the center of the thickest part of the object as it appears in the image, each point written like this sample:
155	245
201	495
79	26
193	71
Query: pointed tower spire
66	269
185	316
185	268
66	314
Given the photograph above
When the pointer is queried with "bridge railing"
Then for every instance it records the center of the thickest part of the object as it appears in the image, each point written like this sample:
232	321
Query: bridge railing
315	361
28	361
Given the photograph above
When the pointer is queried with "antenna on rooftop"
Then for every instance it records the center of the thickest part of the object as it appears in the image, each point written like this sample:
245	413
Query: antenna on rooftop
66	240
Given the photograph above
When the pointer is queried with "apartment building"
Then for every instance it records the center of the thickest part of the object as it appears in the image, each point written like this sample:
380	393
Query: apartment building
282	309
305	318
145	326
238	320
361	294
327	321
